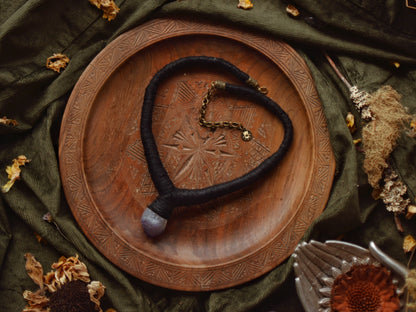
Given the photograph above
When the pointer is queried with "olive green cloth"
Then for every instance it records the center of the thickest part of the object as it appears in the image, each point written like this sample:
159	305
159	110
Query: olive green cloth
364	37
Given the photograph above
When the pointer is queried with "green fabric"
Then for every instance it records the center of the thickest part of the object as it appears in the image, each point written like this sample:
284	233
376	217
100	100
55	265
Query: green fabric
363	36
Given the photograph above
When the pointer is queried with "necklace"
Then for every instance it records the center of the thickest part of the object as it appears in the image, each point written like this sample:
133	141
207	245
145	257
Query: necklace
156	215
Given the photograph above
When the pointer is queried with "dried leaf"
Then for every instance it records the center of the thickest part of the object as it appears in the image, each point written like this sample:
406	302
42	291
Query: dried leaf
396	64
13	172
350	122
357	141
292	11
5	121
109	8
245	4
57	61
34	270
409	243
40	239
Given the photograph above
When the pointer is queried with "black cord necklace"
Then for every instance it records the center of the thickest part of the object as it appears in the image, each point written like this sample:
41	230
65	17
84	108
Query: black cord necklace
156	215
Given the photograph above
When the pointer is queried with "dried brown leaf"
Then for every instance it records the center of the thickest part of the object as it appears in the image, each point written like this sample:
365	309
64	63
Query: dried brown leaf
245	4
34	270
57	61
13	172
409	244
109	8
6	121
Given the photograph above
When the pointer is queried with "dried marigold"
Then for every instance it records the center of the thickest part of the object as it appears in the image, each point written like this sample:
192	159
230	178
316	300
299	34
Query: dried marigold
245	4
57	61
66	288
6	121
109	8
364	288
13	172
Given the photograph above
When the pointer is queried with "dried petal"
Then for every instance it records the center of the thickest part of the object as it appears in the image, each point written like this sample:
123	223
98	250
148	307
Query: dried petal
57	61
34	270
396	64
109	8
409	243
357	141
292	11
350	122
13	172
38	302
245	4
96	291
70	269
5	121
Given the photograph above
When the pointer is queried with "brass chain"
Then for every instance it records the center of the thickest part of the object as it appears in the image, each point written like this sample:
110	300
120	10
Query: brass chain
246	134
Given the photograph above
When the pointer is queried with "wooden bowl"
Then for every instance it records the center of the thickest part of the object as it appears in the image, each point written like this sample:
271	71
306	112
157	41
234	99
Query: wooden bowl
227	241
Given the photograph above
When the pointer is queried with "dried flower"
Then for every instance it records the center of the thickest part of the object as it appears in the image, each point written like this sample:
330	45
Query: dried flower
409	244
67	288
5	121
109	8
57	61
245	4
392	193
13	172
364	288
292	11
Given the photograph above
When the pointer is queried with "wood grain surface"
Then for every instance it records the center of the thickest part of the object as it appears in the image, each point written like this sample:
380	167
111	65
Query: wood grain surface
229	240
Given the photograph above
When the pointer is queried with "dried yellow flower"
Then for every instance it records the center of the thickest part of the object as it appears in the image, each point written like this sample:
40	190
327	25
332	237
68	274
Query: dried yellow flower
109	8
57	61
292	11
350	122
245	4
409	243
5	121
13	172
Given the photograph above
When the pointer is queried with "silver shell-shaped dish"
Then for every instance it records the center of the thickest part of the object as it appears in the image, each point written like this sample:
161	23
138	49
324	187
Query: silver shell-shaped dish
318	264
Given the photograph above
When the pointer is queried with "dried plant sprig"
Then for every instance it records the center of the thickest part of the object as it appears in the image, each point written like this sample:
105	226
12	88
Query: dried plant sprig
394	192
380	134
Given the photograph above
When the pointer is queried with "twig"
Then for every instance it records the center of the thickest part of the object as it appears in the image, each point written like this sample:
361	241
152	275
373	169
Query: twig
335	68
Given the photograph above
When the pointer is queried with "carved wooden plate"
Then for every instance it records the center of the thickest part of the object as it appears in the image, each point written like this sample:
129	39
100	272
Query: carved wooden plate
225	242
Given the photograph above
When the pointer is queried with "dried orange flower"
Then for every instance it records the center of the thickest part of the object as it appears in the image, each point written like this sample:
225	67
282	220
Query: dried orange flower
57	61
109	8
364	288
245	4
6	121
67	288
13	172
350	122
409	243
